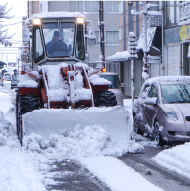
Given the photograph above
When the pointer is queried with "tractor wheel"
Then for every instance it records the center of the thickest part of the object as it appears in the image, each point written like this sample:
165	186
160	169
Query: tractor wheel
24	104
105	98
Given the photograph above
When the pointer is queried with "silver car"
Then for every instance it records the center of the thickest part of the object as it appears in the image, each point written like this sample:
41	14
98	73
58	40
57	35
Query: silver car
115	87
7	77
162	109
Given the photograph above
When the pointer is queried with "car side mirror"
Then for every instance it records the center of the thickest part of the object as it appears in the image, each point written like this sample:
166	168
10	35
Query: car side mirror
151	101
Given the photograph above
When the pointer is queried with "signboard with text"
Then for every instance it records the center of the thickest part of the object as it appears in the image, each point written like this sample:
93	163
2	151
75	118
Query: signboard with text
154	59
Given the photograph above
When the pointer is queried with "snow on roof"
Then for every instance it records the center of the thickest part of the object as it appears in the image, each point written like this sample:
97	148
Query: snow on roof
184	22
57	15
119	56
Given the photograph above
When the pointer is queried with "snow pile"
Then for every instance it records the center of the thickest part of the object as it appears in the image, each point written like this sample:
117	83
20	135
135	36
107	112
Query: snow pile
176	159
6	131
5	105
87	142
18	171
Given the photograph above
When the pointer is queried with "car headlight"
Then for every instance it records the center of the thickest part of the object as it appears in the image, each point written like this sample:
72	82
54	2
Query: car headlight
170	113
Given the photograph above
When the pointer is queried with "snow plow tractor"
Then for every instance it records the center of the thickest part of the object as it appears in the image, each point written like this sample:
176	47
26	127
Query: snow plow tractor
58	84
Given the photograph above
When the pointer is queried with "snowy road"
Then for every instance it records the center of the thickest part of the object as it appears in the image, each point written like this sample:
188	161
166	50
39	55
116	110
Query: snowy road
157	175
68	163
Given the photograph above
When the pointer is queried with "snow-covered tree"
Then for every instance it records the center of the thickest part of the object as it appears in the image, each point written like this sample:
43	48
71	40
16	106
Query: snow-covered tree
4	14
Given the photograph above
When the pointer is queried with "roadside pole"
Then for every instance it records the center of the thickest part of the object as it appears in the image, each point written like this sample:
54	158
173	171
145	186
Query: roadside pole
145	74
101	32
132	44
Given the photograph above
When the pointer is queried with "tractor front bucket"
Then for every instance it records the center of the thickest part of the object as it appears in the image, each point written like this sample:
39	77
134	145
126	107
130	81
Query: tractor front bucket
55	121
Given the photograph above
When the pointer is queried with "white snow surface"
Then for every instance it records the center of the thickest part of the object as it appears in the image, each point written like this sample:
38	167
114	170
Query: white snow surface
119	56
57	14
26	168
26	81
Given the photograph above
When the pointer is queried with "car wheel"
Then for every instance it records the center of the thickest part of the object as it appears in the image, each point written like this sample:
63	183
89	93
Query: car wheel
158	134
136	126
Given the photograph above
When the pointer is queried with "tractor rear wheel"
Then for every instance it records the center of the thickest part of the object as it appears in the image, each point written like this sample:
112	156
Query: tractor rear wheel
105	98
24	104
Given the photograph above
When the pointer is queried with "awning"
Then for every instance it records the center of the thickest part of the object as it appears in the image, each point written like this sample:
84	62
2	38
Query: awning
154	41
154	46
118	57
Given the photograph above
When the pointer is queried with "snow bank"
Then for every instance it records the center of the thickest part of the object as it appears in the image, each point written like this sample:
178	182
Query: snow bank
117	175
18	171
176	159
5	104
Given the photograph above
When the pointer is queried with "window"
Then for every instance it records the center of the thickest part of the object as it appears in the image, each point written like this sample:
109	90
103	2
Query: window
59	39
83	6
153	92
111	6
172	14
80	51
112	37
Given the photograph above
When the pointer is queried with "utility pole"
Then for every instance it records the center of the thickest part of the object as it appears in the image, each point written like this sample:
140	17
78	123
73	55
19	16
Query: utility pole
145	59
101	32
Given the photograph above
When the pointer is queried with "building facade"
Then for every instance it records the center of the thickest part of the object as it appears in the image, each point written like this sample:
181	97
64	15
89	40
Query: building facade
172	50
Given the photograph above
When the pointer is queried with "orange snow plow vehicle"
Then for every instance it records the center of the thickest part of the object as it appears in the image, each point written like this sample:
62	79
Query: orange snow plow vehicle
58	82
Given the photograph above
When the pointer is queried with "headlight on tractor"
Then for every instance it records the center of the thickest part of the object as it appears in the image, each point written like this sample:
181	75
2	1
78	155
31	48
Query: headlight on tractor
170	113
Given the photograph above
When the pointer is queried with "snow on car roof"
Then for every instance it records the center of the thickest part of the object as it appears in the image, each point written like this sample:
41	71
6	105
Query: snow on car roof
164	79
161	79
57	15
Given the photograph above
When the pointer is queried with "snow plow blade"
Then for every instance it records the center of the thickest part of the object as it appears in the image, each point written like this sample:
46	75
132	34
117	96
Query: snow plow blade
46	122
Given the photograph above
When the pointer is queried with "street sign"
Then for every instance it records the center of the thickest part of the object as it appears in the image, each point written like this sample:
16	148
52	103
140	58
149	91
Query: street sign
154	20
154	59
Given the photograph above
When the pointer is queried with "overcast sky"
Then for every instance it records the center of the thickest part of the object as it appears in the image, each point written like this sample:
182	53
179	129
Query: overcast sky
19	9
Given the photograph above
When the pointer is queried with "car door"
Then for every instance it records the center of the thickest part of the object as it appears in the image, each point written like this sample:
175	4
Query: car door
149	108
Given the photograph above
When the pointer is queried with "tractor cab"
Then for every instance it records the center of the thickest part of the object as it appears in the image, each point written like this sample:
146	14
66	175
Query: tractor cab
56	38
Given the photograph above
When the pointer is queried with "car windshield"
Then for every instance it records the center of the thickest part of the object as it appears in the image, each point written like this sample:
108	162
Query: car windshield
14	78
114	80
175	93
59	38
